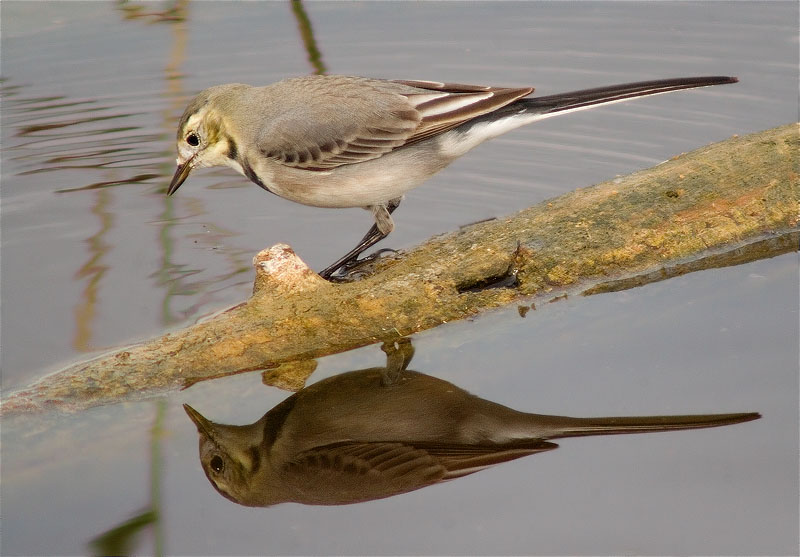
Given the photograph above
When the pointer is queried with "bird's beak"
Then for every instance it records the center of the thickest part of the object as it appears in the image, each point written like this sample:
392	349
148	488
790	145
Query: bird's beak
181	173
203	425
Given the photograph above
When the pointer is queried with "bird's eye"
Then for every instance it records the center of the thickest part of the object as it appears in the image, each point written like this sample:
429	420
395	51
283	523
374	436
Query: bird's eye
217	464
193	139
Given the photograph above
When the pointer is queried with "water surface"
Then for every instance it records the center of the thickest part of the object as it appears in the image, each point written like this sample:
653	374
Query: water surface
95	256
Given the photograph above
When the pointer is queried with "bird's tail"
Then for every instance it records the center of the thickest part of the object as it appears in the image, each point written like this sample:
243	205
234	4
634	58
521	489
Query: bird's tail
554	427
551	105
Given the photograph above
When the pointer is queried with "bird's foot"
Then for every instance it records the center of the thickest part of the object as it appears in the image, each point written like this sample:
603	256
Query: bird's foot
356	269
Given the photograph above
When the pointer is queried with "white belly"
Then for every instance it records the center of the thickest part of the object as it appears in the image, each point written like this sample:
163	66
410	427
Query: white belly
362	184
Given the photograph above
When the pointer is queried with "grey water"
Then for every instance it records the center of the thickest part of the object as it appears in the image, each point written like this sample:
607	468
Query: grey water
94	256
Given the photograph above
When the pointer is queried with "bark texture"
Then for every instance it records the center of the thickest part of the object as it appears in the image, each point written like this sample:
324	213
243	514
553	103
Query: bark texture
727	203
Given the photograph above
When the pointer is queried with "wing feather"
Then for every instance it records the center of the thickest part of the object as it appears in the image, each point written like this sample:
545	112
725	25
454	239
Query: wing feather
397	466
330	121
353	472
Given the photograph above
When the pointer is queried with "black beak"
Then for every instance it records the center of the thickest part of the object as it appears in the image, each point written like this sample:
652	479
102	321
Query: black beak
181	173
203	425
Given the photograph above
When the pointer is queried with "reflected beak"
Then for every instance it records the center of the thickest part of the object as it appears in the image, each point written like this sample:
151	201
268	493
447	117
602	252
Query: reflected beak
203	425
181	173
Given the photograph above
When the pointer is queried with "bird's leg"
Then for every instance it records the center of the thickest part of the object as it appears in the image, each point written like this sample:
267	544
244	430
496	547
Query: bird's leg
377	232
372	237
398	356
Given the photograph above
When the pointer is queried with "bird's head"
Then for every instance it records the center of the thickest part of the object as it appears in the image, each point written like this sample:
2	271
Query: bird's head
206	131
231	457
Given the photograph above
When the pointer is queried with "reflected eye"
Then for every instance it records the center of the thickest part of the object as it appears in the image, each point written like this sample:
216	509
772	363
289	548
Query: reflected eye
193	139
217	464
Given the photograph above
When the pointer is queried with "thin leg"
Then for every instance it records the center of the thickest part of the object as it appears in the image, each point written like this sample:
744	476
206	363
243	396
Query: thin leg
377	232
398	356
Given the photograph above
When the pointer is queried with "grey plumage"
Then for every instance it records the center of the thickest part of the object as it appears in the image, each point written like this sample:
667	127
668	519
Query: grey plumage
343	141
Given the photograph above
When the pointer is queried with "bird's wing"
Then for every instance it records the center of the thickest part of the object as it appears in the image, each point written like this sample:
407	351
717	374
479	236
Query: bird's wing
338	121
353	472
462	460
360	471
444	106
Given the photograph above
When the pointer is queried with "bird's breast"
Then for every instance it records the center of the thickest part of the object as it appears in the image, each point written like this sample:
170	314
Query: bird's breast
361	184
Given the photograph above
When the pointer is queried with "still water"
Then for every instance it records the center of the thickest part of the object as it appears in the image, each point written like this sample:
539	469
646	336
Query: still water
95	256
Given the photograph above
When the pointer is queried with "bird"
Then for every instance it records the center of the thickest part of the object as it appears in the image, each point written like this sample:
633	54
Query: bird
378	432
345	141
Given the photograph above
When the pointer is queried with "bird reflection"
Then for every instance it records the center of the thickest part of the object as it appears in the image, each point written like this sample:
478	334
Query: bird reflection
379	432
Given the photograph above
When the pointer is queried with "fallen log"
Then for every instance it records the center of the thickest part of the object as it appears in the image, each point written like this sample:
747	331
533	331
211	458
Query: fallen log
727	203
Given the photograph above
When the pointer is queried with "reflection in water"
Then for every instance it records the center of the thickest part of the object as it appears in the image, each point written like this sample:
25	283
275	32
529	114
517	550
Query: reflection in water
122	538
307	34
93	270
379	432
169	275
54	134
174	11
89	146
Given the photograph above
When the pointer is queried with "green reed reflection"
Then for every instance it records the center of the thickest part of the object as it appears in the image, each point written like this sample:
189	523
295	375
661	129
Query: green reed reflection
122	539
307	34
93	270
174	11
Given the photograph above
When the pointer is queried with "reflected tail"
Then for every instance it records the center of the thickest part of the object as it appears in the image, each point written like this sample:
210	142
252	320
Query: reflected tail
555	427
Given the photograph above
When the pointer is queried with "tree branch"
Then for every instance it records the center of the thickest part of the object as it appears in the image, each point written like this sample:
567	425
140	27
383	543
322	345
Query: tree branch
724	204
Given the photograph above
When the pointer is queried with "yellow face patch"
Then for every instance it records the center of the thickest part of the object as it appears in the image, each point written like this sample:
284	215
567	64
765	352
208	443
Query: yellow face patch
215	147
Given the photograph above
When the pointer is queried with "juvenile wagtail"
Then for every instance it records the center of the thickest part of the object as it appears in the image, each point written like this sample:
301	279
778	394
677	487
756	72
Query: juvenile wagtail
342	141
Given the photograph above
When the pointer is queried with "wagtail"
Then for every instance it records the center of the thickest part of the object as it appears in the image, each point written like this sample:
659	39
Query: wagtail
342	141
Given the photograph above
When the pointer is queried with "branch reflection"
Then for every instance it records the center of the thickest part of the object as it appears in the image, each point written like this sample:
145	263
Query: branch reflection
378	432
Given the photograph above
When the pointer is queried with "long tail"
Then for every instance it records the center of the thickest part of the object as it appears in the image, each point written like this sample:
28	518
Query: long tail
532	109
588	98
554	427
